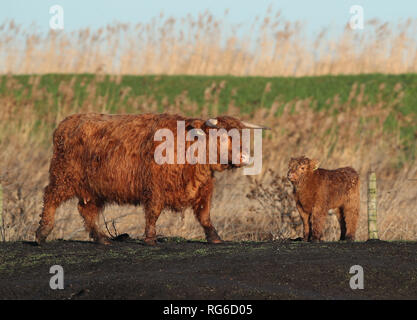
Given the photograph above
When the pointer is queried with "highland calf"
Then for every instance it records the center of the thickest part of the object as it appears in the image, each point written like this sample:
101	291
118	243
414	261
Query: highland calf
318	190
102	159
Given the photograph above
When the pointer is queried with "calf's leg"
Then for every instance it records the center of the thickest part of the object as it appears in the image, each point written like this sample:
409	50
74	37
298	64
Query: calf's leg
318	221
305	217
351	215
342	222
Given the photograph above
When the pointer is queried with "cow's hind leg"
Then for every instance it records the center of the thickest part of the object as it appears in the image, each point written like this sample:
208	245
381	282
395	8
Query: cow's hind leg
90	211
53	197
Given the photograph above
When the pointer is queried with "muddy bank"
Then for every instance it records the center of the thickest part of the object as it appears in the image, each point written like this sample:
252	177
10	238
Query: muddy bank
180	269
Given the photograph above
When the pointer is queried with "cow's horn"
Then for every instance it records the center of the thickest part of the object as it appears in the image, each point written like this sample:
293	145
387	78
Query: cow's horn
212	123
254	126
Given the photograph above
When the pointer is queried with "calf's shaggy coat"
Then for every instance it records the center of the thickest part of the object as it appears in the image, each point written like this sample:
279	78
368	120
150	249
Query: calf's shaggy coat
318	190
101	159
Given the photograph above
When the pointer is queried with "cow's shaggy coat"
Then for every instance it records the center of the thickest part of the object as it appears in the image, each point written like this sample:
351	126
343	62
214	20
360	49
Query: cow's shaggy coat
102	159
318	190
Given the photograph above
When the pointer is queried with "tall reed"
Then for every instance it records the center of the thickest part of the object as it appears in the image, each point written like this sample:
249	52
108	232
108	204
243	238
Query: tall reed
207	45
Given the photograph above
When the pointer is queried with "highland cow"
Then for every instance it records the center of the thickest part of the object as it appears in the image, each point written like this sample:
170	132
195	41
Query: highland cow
101	159
318	190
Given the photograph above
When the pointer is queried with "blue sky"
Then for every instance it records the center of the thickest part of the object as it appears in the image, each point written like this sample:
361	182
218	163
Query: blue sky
96	13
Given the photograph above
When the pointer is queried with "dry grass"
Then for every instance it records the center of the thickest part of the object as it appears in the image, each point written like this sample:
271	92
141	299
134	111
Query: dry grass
206	45
244	207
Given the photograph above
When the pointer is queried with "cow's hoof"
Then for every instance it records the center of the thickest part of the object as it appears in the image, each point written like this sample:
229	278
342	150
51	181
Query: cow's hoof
214	241
104	241
39	242
150	241
40	239
213	237
43	232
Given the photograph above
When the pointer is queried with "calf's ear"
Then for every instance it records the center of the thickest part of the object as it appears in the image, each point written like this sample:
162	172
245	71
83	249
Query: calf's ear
315	164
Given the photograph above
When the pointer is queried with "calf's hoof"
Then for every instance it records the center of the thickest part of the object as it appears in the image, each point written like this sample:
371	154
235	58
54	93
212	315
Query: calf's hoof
315	241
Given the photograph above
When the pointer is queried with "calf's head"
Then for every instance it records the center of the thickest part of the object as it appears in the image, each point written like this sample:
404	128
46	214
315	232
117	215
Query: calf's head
301	166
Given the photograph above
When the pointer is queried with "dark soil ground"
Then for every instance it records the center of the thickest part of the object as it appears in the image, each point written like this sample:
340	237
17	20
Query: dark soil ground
180	269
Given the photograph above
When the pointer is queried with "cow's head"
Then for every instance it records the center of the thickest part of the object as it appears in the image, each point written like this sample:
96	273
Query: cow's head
226	133
299	167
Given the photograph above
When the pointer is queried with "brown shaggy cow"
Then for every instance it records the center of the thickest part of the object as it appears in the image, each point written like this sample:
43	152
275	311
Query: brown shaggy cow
101	159
318	190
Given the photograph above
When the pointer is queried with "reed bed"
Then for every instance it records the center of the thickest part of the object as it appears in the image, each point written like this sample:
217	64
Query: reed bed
244	207
207	45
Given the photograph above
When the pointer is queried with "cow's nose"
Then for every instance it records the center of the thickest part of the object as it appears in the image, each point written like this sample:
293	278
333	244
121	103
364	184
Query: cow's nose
245	158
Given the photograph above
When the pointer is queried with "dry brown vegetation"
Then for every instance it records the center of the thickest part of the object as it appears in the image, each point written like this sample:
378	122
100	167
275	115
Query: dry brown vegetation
244	207
347	133
206	45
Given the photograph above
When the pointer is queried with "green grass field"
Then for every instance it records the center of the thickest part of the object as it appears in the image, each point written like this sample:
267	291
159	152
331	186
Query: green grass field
247	92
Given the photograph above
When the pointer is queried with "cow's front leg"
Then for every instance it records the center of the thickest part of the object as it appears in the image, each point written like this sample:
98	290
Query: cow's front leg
151	216
202	213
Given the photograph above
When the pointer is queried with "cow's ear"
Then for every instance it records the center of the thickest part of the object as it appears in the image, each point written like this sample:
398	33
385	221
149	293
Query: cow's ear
196	125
